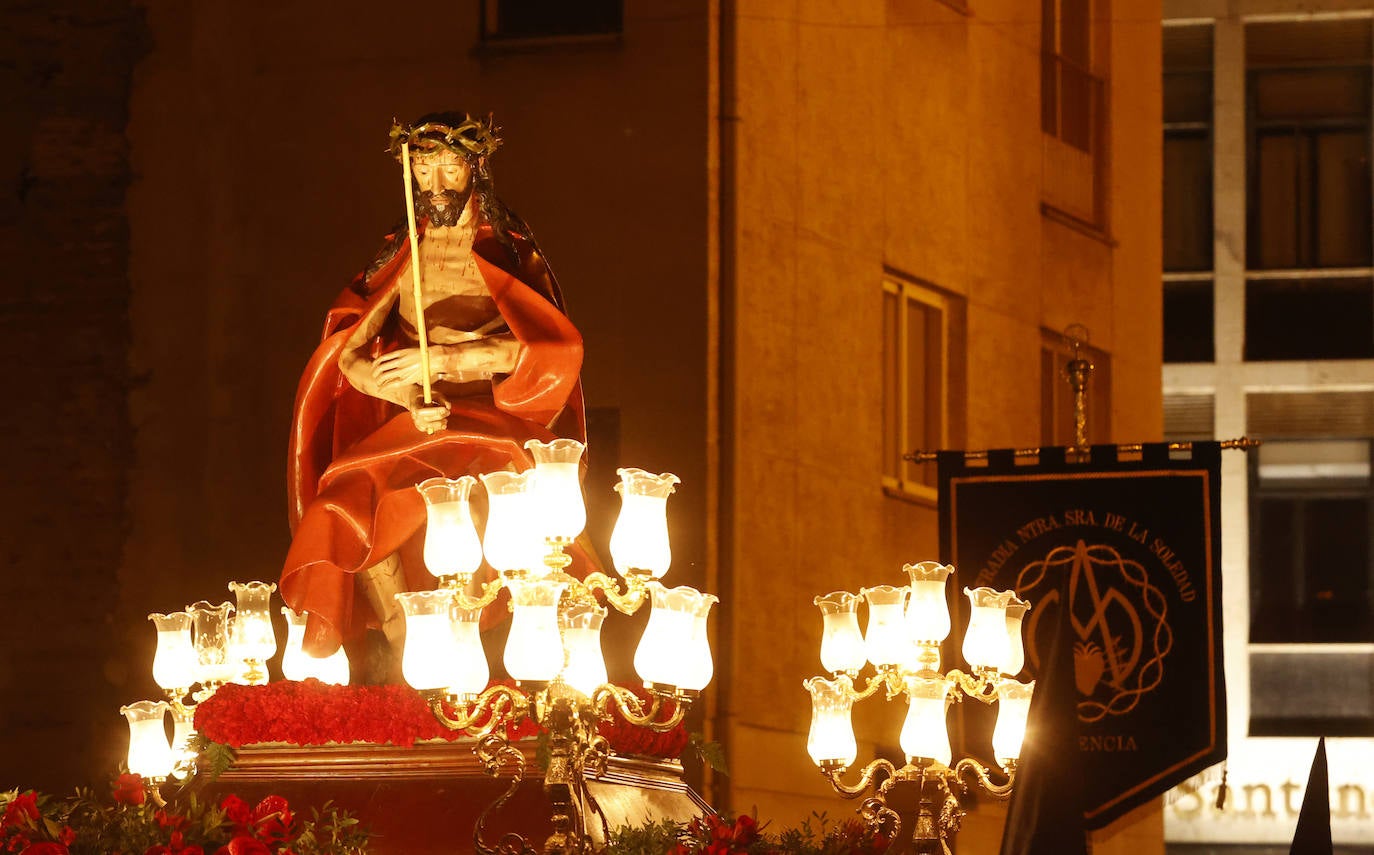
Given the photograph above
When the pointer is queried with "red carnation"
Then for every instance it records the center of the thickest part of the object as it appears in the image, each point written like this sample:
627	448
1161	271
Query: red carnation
236	809
128	789
244	846
45	849
22	811
272	819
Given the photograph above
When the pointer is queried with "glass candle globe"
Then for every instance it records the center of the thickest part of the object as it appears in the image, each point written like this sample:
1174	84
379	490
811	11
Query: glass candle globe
927	613
886	642
534	649
512	541
214	665
925	733
256	639
296	664
452	547
842	644
470	672
586	668
670	653
985	641
430	645
696	664
150	754
830	741
639	541
558	487
1013	708
1016	648
174	663
183	728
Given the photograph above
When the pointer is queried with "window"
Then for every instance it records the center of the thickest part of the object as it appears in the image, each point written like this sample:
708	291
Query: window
1313	318
516	20
1073	117
1188	321
1310	556
1188	149
918	322
1056	395
1309	141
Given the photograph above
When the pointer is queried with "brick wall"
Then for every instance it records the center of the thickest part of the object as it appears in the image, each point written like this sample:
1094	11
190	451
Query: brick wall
65	72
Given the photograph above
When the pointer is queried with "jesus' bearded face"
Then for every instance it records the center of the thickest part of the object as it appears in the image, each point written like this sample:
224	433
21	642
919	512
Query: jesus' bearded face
444	185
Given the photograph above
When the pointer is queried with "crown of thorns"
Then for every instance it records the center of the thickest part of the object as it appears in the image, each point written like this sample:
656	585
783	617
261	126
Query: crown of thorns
472	138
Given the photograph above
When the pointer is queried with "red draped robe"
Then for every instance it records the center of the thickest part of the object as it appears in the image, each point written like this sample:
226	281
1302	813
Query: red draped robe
354	460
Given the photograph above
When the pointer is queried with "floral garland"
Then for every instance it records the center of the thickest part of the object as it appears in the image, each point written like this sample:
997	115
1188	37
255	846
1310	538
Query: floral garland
716	835
315	713
34	824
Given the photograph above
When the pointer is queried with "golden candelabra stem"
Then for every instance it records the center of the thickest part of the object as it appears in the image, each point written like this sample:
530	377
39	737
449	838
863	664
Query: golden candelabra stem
631	708
833	773
501	703
980	772
627	601
556	559
980	686
490	590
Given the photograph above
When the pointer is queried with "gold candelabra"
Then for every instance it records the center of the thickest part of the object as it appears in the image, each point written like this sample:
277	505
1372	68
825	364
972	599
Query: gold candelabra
553	651
919	803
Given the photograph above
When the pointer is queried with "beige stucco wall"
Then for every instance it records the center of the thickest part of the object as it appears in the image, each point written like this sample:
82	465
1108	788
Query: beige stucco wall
899	134
262	186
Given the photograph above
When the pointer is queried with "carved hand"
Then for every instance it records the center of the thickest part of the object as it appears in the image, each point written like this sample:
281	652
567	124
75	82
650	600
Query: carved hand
428	418
397	368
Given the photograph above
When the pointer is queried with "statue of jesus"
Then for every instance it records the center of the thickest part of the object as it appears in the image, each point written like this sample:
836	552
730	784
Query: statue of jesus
504	364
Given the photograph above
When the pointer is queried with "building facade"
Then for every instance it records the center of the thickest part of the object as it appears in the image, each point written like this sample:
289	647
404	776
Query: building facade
1268	333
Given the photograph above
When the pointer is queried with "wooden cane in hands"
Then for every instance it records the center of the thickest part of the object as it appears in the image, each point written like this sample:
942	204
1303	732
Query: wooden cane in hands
415	276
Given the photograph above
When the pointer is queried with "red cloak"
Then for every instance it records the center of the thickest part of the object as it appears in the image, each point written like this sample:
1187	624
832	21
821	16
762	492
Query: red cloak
354	460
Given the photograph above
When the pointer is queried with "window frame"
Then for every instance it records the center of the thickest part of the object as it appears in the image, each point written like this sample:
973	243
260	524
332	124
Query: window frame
902	478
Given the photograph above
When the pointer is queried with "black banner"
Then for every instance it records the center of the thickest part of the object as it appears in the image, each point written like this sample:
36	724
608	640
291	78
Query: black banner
1139	540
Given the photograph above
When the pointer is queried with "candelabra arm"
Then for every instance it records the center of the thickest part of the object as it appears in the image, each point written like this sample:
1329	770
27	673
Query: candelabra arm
980	773
865	778
482	600
498	703
627	601
976	686
631	708
493	752
876	682
875	813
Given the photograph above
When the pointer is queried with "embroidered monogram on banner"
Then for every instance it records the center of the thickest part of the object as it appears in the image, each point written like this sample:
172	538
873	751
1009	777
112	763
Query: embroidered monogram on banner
1139	542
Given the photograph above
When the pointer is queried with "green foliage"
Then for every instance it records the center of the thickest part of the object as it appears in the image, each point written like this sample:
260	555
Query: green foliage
654	838
745	836
710	753
212	758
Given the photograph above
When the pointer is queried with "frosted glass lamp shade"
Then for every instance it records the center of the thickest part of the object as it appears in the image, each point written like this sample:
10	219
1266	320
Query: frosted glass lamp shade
985	642
673	651
830	741
183	728
925	734
255	637
470	670
927	612
697	665
842	644
214	664
430	645
557	487
1016	647
1013	708
586	667
296	664
174	663
150	754
534	649
512	540
639	541
887	641
452	547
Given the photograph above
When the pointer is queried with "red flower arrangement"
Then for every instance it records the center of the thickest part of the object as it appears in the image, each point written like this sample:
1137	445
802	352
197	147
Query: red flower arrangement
315	713
31	824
